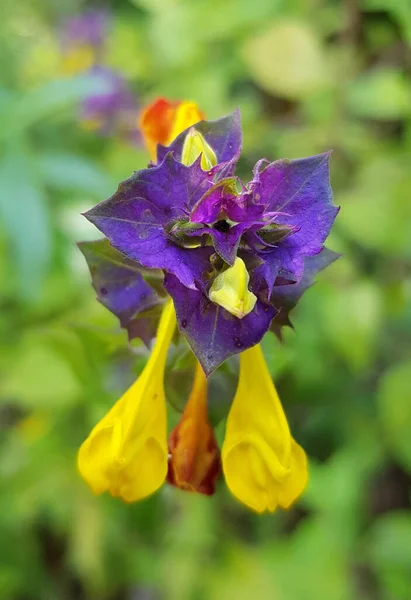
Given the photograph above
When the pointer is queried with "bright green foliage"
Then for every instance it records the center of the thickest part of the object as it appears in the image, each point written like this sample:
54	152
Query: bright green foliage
309	76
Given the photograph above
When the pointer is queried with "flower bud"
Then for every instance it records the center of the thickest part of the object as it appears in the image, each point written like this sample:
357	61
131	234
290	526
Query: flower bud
194	145
194	461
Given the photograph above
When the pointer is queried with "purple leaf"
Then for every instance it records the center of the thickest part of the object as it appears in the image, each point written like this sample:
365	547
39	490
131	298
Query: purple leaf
119	286
299	190
135	218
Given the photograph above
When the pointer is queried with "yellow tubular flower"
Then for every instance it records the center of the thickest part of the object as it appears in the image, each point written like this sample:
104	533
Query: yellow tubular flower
126	452
263	465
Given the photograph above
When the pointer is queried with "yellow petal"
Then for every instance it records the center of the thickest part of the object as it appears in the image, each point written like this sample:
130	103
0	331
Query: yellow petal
264	467
126	452
186	115
163	120
230	290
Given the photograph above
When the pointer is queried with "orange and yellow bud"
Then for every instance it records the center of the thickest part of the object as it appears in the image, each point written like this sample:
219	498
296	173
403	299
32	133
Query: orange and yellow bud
126	453
194	460
162	121
263	465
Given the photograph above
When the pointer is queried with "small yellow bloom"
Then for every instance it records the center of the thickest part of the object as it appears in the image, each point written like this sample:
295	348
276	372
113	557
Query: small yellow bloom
230	290
263	465
92	124
78	60
162	121
194	145
126	452
194	463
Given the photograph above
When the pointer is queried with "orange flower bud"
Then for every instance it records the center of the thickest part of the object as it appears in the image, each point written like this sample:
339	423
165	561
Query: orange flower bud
162	121
194	457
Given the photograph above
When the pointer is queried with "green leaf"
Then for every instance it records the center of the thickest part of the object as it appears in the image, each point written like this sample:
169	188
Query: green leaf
394	401
380	199
24	213
24	110
383	94
40	378
352	318
71	172
388	550
287	60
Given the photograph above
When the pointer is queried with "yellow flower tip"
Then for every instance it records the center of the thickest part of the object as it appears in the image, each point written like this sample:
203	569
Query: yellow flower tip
263	465
194	463
162	121
194	145
186	114
77	60
34	427
126	453
230	290
92	124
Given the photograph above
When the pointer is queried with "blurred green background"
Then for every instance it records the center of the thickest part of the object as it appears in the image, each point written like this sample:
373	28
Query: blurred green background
308	75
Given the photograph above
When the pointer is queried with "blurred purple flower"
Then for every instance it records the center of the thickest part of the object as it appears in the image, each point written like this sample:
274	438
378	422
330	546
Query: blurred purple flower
87	29
113	111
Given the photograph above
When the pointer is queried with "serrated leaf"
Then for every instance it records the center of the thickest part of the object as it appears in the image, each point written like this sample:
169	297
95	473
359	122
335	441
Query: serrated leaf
120	287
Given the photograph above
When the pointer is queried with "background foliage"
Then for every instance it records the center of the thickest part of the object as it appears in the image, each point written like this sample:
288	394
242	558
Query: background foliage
308	76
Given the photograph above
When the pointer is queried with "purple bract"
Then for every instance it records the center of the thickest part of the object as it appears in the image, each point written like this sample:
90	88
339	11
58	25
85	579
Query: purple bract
192	224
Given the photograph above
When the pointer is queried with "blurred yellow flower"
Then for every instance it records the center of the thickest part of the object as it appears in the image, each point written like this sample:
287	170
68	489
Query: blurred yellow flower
263	465
78	59
34	427
126	452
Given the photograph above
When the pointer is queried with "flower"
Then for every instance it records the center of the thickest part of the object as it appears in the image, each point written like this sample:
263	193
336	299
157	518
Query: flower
111	111
194	224
83	48
263	465
235	258
82	41
194	461
126	452
162	121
